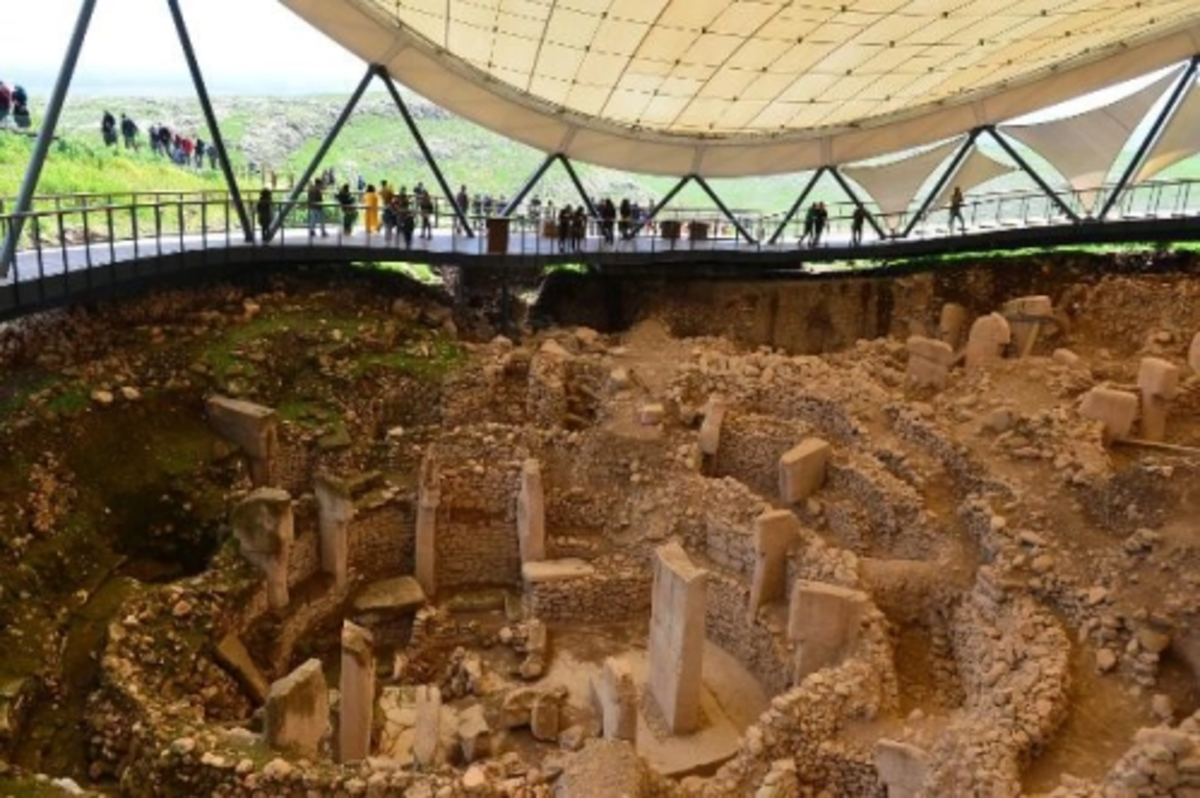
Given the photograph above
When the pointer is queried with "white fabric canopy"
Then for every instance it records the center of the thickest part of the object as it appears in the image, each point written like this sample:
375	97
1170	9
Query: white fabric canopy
894	185
729	88
1084	147
1179	140
976	169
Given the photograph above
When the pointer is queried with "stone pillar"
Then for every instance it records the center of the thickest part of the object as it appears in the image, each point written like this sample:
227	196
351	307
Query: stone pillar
1158	380
823	623
929	361
297	711
253	429
357	687
263	524
676	656
774	532
989	337
952	323
1194	353
531	513
802	470
429	496
336	510
615	699
427	739
1025	316
1116	409
901	768
710	428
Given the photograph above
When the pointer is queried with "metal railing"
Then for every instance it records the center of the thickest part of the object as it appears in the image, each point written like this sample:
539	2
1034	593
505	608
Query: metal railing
73	234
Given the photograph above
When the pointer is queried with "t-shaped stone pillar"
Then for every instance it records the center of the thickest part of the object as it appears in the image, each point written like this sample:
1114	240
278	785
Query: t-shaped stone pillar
929	361
676	659
336	510
252	428
1117	410
1158	381
987	340
429	496
774	532
263	524
531	513
357	688
952	322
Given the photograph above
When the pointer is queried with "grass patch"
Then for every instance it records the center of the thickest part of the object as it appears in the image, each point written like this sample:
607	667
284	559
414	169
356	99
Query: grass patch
419	272
71	401
431	359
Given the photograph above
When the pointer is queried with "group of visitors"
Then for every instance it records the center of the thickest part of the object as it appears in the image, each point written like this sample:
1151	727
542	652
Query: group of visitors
14	106
815	220
182	150
572	228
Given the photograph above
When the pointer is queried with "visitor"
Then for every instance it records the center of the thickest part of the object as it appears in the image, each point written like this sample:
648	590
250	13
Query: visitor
316	209
579	228
6	103
463	201
856	224
391	218
819	221
425	203
408	221
345	200
608	220
108	129
956	206
129	131
265	209
20	108
810	222
201	150
565	220
371	202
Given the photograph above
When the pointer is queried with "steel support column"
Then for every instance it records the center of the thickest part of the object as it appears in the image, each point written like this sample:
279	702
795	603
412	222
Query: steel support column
941	182
185	42
1042	184
459	213
812	182
302	185
587	201
33	172
532	182
841	181
712	195
660	205
1152	135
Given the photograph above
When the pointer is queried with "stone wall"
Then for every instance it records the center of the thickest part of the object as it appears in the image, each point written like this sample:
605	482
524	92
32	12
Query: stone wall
726	624
751	446
381	541
476	550
619	591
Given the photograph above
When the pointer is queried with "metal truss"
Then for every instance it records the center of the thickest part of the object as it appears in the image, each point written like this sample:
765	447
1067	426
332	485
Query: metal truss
711	195
536	178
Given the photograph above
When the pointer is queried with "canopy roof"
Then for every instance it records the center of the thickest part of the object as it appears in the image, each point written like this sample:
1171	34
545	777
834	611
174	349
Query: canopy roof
739	87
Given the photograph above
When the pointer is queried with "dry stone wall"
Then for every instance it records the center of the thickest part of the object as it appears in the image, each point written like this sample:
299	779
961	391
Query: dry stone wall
751	446
754	645
618	591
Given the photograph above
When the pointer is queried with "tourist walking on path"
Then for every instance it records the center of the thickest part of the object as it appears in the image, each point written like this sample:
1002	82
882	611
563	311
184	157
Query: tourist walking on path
856	224
463	200
316	209
345	199
371	201
265	209
956	206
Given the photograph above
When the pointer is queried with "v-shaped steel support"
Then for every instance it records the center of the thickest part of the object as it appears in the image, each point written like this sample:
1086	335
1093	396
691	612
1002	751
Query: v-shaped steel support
536	178
712	195
949	172
1025	167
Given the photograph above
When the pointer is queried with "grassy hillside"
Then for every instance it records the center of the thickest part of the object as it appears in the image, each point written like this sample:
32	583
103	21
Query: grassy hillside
283	134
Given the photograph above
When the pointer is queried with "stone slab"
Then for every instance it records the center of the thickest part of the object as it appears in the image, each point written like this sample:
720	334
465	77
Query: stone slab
1117	410
232	653
391	595
531	513
901	768
555	570
1194	353
823	623
710	428
802	470
249	425
297	710
989	337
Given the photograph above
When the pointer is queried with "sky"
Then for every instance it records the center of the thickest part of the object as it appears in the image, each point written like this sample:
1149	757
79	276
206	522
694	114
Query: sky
243	47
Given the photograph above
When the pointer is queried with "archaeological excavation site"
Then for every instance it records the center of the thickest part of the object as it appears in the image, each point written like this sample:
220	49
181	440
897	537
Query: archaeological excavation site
327	532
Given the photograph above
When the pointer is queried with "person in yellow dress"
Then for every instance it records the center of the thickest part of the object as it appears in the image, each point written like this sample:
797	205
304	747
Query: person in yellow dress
371	200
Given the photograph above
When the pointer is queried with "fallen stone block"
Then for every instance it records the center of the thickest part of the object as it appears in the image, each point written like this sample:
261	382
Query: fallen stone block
1117	410
391	596
1158	377
929	361
651	414
802	470
901	768
232	653
544	717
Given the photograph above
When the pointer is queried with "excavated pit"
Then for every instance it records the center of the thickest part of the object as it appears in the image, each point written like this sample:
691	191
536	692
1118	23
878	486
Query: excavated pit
1017	595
